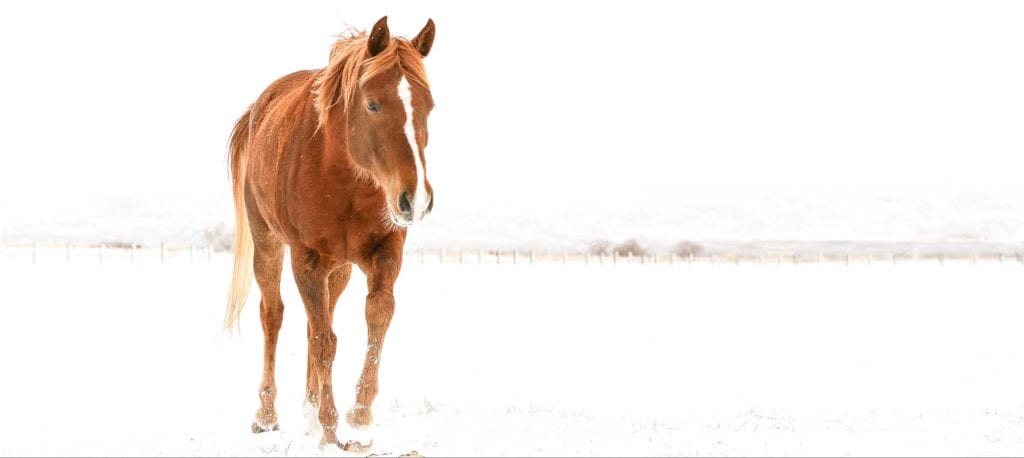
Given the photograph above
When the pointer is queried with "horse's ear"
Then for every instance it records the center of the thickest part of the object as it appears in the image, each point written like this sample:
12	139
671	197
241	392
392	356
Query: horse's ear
380	36
425	39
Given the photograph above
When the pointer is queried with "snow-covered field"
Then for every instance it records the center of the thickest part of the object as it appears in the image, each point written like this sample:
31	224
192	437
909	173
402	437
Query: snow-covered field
913	359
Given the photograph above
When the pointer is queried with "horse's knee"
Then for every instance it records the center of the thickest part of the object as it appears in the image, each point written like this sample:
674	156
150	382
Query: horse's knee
380	307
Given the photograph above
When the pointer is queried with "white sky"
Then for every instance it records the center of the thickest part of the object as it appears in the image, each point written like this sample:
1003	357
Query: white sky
541	106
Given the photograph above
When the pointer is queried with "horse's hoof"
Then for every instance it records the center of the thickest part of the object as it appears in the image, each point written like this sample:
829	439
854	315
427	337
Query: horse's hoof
359	416
356	447
257	429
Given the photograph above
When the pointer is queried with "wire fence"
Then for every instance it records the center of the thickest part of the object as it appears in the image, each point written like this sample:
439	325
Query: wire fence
100	253
167	253
528	257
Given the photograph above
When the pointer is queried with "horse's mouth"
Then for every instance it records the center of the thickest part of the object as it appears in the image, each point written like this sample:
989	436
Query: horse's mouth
399	220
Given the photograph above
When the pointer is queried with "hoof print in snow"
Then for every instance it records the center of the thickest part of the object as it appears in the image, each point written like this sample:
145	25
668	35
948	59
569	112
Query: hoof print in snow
355	447
412	453
257	429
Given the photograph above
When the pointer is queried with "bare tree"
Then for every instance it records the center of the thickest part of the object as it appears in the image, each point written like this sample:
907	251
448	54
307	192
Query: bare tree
630	246
686	248
219	237
600	246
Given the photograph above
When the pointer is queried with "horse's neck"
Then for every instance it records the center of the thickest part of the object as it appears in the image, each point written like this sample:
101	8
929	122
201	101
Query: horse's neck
336	164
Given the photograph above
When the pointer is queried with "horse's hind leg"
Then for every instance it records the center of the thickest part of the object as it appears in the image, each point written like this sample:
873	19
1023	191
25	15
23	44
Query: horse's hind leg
268	254
311	277
336	283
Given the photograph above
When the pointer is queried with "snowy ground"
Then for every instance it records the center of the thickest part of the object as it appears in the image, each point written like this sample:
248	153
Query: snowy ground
913	359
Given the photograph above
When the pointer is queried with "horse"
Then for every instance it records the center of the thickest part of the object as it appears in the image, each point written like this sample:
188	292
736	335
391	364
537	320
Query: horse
330	162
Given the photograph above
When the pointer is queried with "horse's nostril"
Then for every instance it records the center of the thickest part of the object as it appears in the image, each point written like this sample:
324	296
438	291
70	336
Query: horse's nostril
404	205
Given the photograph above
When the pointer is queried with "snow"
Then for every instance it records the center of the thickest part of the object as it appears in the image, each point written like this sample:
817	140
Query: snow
912	359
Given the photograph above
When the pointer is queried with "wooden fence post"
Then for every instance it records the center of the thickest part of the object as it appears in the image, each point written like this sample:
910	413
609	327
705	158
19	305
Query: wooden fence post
163	253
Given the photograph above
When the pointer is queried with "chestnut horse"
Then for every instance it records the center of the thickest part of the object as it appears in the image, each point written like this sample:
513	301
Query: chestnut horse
330	163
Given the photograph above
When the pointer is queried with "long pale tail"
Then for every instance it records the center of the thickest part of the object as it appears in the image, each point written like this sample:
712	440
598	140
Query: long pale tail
241	277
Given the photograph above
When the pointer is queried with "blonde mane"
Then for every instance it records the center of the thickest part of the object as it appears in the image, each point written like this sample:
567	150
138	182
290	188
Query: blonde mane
349	69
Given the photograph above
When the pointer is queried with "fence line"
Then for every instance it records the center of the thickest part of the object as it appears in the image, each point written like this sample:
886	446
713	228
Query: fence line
102	253
165	253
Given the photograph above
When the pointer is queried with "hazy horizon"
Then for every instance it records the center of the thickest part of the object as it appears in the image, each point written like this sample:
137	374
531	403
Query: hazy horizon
554	124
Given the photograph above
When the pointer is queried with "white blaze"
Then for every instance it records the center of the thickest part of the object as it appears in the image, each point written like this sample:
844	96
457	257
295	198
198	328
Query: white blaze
419	200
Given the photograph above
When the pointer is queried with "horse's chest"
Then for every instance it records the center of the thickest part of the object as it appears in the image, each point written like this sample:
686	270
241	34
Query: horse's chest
347	224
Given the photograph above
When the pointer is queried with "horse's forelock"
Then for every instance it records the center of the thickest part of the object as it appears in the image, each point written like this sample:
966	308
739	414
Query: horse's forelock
349	68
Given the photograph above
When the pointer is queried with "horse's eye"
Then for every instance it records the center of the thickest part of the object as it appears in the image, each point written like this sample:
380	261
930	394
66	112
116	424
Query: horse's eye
373	107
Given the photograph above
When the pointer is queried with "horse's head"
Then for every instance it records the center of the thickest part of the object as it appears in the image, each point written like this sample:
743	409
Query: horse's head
387	100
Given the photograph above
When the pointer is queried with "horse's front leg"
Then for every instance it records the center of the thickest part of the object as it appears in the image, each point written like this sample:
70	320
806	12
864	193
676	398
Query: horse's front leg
381	272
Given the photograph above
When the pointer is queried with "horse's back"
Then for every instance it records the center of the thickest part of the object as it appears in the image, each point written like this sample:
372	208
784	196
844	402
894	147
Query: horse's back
288	86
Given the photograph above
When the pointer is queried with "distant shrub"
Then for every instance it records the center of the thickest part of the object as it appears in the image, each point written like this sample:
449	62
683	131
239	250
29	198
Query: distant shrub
630	246
687	248
219	237
599	246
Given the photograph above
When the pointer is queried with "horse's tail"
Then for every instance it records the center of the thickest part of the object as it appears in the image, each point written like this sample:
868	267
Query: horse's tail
242	275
